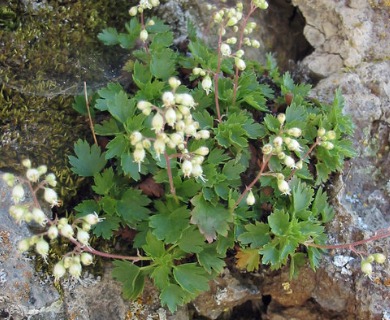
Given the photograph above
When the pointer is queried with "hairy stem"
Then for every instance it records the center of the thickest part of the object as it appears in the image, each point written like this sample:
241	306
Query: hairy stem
169	172
216	77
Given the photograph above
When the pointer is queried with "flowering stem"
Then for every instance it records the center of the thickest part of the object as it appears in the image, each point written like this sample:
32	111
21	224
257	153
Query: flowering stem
240	40
84	248
306	155
89	113
351	246
216	76
169	171
249	187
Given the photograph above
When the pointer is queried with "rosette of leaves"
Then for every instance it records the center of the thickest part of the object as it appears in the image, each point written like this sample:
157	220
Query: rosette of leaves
183	238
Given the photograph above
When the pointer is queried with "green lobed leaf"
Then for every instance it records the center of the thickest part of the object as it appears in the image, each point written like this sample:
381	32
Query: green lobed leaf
173	296
256	235
131	278
121	107
248	259
141	74
232	169
153	247
191	278
272	123
117	146
302	196
279	221
89	159
210	259
109	36
163	63
107	128
130	167
86	207
132	207
191	241
169	226
106	94
106	227
104	181
211	220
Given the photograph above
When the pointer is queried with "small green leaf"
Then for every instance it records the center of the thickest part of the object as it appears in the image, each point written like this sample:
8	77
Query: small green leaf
109	37
232	170
210	219
121	107
211	260
163	64
192	240
107	128
129	275
154	247
103	181
132	207
130	167
117	146
86	207
173	296
272	123
141	74
168	226
302	196
271	255
256	235
191	278
279	221
161	274
106	227
89	159
162	40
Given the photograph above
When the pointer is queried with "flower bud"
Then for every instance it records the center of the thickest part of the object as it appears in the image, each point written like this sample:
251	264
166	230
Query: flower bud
295	132
278	141
225	49
67	231
202	151
9	179
18	213
366	267
174	83
139	156
379	258
186	167
250	199
187	100
135	137
23	245
58	270
52	232
240	64
42	248
240	53
267	149
133	11
207	84
197	171
190	130
196	71
289	162
279	176
232	40
294	145
91	218
42	169
86	226
170	117
281	118
281	155
142	105
67	261
18	193
32	174
62	222
255	44
159	147
143	35
204	134
283	187
197	160
75	269
321	132
331	135
299	164
39	216
82	236
168	99
154	3
26	163
157	122
50	196
232	21
86	258
51	180
327	145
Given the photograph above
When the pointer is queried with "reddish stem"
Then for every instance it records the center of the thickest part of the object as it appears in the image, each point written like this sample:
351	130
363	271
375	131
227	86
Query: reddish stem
216	76
249	187
169	171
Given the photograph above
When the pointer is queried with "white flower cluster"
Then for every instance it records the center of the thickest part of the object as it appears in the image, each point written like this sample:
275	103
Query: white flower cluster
176	114
77	231
144	5
326	137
